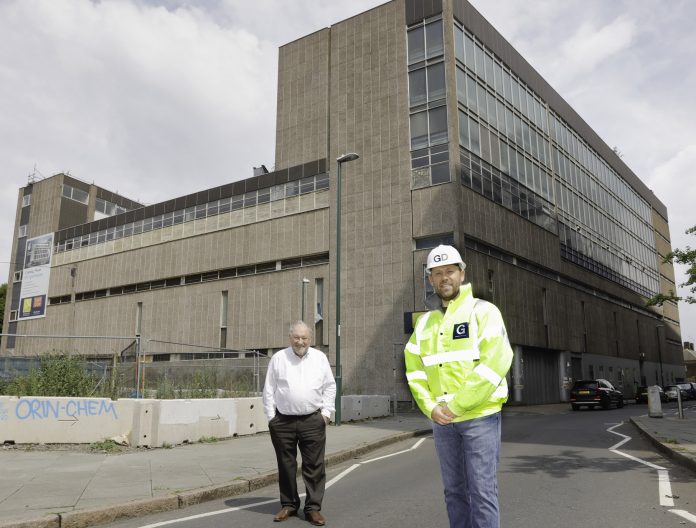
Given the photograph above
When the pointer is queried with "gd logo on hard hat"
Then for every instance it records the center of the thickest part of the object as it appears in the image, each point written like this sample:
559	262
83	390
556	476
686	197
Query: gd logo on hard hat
440	258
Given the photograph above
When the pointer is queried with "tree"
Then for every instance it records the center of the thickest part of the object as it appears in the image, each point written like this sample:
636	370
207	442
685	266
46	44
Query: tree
688	258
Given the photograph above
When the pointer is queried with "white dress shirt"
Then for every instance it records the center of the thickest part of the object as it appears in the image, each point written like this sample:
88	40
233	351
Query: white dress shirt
299	385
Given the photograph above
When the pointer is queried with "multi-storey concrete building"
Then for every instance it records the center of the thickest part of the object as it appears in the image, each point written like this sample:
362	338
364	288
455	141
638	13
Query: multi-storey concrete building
460	141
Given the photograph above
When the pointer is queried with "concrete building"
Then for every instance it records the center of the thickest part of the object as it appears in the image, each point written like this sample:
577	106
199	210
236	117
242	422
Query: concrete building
460	141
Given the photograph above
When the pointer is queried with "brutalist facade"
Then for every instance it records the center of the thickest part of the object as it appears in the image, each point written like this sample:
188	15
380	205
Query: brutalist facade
460	141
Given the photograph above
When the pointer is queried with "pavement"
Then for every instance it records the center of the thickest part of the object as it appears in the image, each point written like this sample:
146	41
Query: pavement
71	487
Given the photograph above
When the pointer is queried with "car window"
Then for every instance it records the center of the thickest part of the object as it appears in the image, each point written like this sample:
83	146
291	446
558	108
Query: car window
585	384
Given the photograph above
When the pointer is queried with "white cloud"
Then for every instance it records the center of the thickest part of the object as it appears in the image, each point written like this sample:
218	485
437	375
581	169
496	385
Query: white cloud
591	45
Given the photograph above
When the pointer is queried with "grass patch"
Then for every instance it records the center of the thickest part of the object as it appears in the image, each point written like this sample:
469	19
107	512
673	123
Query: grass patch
107	446
207	439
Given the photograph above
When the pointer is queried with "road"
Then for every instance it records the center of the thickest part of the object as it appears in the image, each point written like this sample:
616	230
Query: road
575	469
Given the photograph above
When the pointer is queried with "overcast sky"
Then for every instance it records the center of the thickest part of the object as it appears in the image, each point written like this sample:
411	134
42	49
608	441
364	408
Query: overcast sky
157	99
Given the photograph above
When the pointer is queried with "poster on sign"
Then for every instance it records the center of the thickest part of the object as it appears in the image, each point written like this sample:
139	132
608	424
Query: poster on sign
35	277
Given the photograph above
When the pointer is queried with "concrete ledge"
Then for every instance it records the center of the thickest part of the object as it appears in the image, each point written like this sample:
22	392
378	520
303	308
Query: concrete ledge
220	491
47	521
688	462
107	514
263	480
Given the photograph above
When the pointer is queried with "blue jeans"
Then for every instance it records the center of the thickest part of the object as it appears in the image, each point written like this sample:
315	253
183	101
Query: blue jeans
469	452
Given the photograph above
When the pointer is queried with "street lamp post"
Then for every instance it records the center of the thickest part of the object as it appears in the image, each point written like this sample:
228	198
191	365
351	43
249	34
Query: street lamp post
351	156
305	281
659	354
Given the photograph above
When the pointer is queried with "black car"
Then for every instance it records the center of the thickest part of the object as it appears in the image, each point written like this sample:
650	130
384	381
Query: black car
595	393
642	395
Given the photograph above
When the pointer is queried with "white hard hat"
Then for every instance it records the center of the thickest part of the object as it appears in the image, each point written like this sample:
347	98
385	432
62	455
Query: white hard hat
442	256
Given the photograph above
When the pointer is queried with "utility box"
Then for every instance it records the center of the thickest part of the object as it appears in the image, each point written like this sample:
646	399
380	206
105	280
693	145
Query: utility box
654	402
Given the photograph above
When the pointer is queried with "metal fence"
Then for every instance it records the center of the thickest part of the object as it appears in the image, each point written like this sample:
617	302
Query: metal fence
166	370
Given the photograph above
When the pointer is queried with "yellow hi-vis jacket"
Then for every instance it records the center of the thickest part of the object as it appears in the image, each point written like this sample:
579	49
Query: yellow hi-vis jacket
460	356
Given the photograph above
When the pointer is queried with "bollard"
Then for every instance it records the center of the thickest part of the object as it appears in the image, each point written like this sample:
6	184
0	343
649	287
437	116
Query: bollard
654	403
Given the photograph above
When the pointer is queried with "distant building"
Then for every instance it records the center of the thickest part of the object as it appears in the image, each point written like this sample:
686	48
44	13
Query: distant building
460	141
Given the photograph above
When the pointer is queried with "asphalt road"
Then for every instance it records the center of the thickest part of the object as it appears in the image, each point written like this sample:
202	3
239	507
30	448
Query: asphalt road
564	470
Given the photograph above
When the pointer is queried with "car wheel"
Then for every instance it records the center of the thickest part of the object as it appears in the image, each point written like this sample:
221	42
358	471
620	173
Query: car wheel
620	403
574	406
606	404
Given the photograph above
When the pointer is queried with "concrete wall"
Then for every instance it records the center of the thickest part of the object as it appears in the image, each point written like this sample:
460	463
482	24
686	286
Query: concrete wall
147	423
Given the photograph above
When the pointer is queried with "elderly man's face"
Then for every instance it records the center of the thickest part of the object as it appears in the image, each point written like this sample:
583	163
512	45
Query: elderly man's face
299	339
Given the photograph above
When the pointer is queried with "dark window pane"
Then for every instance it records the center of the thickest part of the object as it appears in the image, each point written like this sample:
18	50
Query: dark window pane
433	39
416	87
438	125
419	130
440	173
416	45
436	82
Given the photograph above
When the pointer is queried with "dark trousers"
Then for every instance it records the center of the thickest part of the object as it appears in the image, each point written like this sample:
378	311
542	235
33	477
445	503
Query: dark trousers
309	433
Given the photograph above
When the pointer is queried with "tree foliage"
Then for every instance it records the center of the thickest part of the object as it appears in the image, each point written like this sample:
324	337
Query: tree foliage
686	257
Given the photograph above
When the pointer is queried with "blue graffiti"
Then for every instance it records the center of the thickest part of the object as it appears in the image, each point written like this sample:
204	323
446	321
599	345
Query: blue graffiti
38	409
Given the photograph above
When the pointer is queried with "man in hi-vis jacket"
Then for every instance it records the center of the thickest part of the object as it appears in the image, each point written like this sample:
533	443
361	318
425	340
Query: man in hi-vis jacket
456	362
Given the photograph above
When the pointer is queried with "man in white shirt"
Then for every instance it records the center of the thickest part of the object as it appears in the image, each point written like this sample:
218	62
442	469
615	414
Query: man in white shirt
298	399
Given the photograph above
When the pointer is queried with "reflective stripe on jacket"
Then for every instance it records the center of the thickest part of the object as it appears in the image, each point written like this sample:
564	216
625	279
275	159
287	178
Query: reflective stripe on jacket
460	357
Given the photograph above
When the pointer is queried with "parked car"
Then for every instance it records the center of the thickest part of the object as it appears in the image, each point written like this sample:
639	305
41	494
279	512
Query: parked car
689	389
595	393
642	394
672	390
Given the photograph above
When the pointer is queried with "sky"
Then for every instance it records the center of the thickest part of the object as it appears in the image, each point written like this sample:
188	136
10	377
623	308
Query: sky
158	99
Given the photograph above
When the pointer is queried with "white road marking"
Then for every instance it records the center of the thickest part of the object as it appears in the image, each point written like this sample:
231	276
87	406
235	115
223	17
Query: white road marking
685	515
664	484
270	501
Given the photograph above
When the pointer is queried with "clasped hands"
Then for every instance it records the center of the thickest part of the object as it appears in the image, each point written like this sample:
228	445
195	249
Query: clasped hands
442	415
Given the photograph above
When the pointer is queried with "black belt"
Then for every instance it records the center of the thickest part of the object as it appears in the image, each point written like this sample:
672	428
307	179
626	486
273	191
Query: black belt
297	415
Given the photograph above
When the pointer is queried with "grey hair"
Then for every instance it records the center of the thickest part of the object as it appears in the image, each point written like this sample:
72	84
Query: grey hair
296	324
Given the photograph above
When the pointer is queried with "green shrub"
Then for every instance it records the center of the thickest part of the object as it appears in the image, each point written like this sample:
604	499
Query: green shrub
58	375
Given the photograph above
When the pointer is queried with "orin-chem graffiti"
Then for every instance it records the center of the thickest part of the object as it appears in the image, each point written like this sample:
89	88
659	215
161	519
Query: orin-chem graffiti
43	409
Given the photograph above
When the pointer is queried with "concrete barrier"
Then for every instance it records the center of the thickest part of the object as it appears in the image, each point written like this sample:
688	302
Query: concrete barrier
63	420
250	416
148	422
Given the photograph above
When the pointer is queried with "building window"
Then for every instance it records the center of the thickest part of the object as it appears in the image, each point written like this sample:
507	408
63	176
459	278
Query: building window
13	315
434	241
75	194
22	231
17	276
26	200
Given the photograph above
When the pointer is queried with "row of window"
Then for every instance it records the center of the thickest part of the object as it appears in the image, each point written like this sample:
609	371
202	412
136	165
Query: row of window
107	208
26	200
492	71
480	247
76	194
278	192
581	259
502	117
484	143
497	186
586	215
566	138
197	278
489	89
